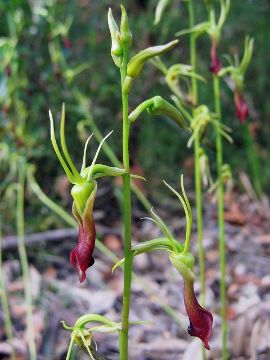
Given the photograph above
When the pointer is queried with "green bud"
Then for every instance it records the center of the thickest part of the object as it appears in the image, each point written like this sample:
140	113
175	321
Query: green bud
125	33
136	64
163	107
81	193
161	6
116	48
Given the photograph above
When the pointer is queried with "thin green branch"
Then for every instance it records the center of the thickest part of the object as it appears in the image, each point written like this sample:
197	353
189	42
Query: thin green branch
24	261
5	306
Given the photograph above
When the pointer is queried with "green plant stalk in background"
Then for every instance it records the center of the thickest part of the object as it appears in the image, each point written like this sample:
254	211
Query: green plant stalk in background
123	341
222	243
5	307
24	261
253	158
198	180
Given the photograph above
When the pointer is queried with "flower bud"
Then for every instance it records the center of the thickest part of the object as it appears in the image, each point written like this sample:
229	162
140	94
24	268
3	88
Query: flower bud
126	36
215	62
116	48
241	108
136	64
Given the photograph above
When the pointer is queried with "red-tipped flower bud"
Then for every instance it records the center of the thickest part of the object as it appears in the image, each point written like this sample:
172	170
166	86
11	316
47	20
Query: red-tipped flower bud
241	108
81	257
215	62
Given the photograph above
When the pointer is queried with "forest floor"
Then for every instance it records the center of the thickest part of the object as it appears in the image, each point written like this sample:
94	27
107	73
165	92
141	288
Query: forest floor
156	290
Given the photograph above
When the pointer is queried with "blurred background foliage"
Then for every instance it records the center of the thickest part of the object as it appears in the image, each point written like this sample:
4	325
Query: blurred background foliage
55	51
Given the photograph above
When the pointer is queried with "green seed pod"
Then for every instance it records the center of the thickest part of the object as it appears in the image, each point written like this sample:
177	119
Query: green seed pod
116	48
136	64
163	107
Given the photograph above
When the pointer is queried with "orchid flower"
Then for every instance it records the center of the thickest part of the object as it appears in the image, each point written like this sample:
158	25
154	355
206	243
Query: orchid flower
83	193
236	71
180	257
202	119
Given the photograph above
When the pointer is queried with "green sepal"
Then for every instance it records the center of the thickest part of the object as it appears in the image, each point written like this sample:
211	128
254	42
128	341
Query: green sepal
100	170
169	245
158	244
136	64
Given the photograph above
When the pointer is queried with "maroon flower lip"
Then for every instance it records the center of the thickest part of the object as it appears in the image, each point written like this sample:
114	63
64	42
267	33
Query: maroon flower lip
216	64
81	257
241	108
201	320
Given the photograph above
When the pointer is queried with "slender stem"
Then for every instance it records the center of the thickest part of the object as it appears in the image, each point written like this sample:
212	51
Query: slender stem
24	261
254	162
127	219
4	301
222	244
198	181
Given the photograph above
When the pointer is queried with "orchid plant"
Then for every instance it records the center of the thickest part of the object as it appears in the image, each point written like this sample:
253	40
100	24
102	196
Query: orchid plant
85	182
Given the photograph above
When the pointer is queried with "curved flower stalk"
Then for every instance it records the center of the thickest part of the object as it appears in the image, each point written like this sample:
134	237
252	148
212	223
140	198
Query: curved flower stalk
180	257
202	119
158	106
83	193
213	28
82	334
236	71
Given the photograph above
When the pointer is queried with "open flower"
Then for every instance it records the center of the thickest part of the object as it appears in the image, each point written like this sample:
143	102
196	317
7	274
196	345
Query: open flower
201	320
237	70
83	192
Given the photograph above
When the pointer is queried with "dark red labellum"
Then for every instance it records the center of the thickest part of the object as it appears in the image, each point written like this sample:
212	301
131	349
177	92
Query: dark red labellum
81	257
200	319
241	108
216	64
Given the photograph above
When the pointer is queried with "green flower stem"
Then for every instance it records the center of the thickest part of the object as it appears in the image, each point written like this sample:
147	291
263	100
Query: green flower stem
198	180
222	243
5	307
24	261
127	220
254	162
